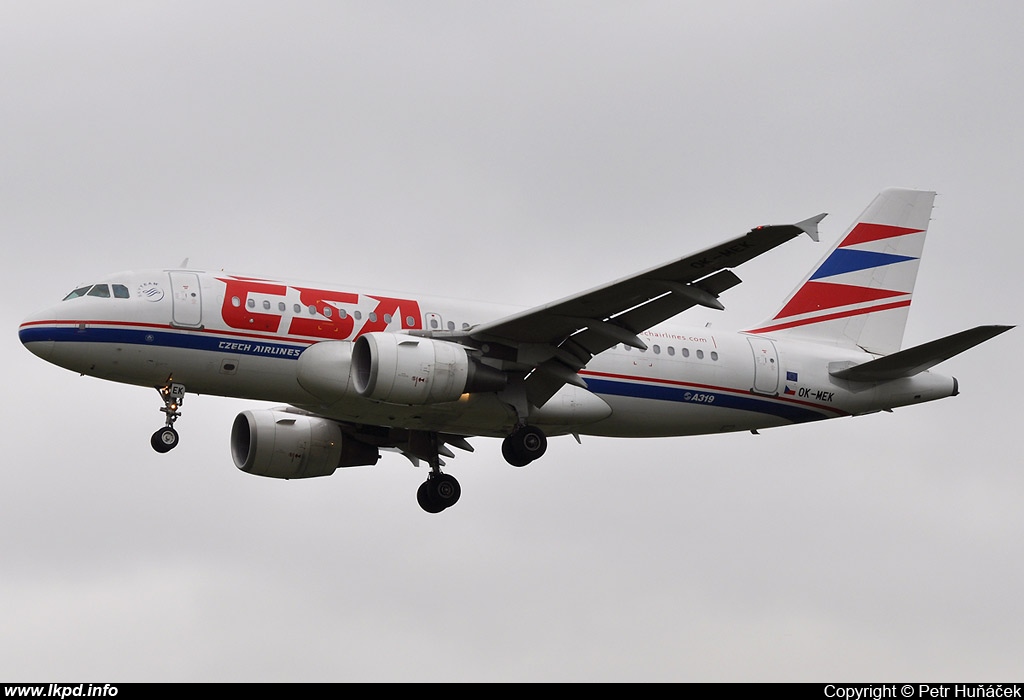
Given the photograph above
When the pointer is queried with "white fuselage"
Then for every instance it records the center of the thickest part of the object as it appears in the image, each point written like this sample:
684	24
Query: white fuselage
242	337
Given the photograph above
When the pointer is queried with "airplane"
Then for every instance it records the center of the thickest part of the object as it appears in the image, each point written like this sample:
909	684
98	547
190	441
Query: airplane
361	371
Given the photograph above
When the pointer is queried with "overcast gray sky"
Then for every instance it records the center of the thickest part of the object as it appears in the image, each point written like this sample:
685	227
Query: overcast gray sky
515	152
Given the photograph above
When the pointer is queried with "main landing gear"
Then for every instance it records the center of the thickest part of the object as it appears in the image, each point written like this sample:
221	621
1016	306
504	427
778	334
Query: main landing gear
525	444
166	439
438	492
441	491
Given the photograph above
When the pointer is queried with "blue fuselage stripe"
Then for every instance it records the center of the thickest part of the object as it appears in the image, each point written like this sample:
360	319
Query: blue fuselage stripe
710	398
154	337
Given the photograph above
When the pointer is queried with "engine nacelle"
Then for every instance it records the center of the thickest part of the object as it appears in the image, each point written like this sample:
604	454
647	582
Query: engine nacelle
324	369
287	445
399	368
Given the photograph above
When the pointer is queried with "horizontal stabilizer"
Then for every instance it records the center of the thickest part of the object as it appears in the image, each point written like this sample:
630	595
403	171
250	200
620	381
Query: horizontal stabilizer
907	363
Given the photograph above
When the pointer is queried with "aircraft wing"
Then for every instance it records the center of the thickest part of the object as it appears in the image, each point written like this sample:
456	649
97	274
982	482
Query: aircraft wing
553	342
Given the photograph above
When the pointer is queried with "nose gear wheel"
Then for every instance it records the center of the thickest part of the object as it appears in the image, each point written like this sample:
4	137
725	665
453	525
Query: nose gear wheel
173	395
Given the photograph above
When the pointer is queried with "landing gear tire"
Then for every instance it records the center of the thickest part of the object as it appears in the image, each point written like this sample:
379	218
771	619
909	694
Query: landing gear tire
164	440
512	456
438	492
524	445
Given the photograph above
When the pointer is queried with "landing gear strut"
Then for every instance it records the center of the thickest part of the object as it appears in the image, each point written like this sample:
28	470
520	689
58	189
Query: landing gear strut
166	439
440	490
525	444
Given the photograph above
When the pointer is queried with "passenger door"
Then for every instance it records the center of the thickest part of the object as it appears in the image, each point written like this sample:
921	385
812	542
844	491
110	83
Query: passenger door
766	365
187	300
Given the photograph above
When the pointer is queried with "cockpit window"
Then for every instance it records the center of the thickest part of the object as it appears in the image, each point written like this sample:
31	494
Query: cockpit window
80	292
101	291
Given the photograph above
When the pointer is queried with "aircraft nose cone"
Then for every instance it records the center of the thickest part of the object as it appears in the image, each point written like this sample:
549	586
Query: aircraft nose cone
34	338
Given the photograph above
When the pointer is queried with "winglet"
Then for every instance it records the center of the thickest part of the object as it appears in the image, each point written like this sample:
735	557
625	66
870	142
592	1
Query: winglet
810	226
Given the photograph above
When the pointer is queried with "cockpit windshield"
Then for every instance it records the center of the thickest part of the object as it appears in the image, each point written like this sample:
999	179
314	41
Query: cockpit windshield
102	291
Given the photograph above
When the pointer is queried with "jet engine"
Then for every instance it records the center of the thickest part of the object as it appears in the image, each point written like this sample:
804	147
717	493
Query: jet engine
399	368
286	445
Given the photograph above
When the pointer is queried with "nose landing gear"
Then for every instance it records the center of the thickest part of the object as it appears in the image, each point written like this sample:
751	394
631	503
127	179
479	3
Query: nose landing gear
166	439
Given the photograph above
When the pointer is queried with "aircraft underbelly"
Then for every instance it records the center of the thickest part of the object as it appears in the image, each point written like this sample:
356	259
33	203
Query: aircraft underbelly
480	414
112	361
641	417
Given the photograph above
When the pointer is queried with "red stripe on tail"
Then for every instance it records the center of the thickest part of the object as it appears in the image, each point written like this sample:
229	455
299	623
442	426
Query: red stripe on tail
814	296
865	232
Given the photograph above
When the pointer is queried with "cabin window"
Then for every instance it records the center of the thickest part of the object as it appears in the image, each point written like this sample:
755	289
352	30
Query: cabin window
686	352
342	313
700	354
236	302
714	356
266	304
281	307
328	311
100	290
372	317
657	349
410	321
251	303
671	350
387	318
120	291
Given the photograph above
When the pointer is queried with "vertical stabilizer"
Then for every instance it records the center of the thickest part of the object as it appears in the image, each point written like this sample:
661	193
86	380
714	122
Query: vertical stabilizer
859	294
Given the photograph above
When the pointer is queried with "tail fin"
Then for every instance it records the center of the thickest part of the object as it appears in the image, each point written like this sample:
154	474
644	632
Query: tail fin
859	294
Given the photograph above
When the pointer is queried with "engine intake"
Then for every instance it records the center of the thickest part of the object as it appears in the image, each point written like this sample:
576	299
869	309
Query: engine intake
399	368
285	445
